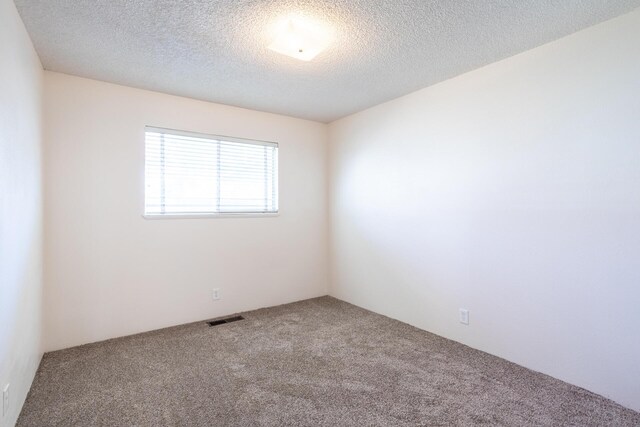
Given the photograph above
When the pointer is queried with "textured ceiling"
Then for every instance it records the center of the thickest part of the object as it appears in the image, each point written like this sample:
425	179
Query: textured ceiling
216	50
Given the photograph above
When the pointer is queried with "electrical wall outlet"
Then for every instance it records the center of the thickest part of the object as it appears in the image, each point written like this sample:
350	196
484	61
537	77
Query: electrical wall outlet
216	294
5	400
464	316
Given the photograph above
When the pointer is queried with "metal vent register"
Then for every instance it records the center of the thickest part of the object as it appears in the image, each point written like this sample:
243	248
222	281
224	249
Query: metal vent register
223	321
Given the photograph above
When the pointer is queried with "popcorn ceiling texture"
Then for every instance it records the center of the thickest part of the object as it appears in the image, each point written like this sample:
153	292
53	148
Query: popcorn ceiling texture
216	50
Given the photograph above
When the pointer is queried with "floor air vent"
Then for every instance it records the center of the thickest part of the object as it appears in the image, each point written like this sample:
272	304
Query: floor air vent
223	321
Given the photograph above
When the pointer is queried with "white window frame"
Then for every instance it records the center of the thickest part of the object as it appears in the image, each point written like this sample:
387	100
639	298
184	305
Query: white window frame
201	215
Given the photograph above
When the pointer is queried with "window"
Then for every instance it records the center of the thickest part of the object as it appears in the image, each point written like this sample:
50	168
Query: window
190	174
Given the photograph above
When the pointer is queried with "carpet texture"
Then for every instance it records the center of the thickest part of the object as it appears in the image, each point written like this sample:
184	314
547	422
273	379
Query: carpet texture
320	362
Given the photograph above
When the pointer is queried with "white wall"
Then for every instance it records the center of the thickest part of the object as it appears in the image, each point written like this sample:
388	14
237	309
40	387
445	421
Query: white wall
512	191
20	210
110	273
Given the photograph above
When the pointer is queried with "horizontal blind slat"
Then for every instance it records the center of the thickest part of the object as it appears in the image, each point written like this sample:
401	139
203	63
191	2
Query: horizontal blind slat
198	174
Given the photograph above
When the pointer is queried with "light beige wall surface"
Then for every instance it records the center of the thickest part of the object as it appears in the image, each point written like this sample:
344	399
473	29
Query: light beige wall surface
512	191
110	272
20	211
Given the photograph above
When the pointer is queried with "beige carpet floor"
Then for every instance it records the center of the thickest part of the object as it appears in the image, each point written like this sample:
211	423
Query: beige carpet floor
320	362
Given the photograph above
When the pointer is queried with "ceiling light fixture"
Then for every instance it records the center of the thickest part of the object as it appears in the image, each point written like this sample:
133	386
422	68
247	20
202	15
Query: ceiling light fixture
300	39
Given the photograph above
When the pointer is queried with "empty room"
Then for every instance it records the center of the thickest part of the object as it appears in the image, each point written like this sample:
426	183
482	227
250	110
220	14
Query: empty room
319	213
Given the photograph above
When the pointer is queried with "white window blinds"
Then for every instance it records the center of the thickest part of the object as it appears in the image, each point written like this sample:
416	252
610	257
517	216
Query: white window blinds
188	173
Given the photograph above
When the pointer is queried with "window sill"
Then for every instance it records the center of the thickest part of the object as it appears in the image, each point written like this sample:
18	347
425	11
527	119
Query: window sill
212	215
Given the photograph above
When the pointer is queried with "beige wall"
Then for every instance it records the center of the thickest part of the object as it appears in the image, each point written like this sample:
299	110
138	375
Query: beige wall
20	211
110	273
512	191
